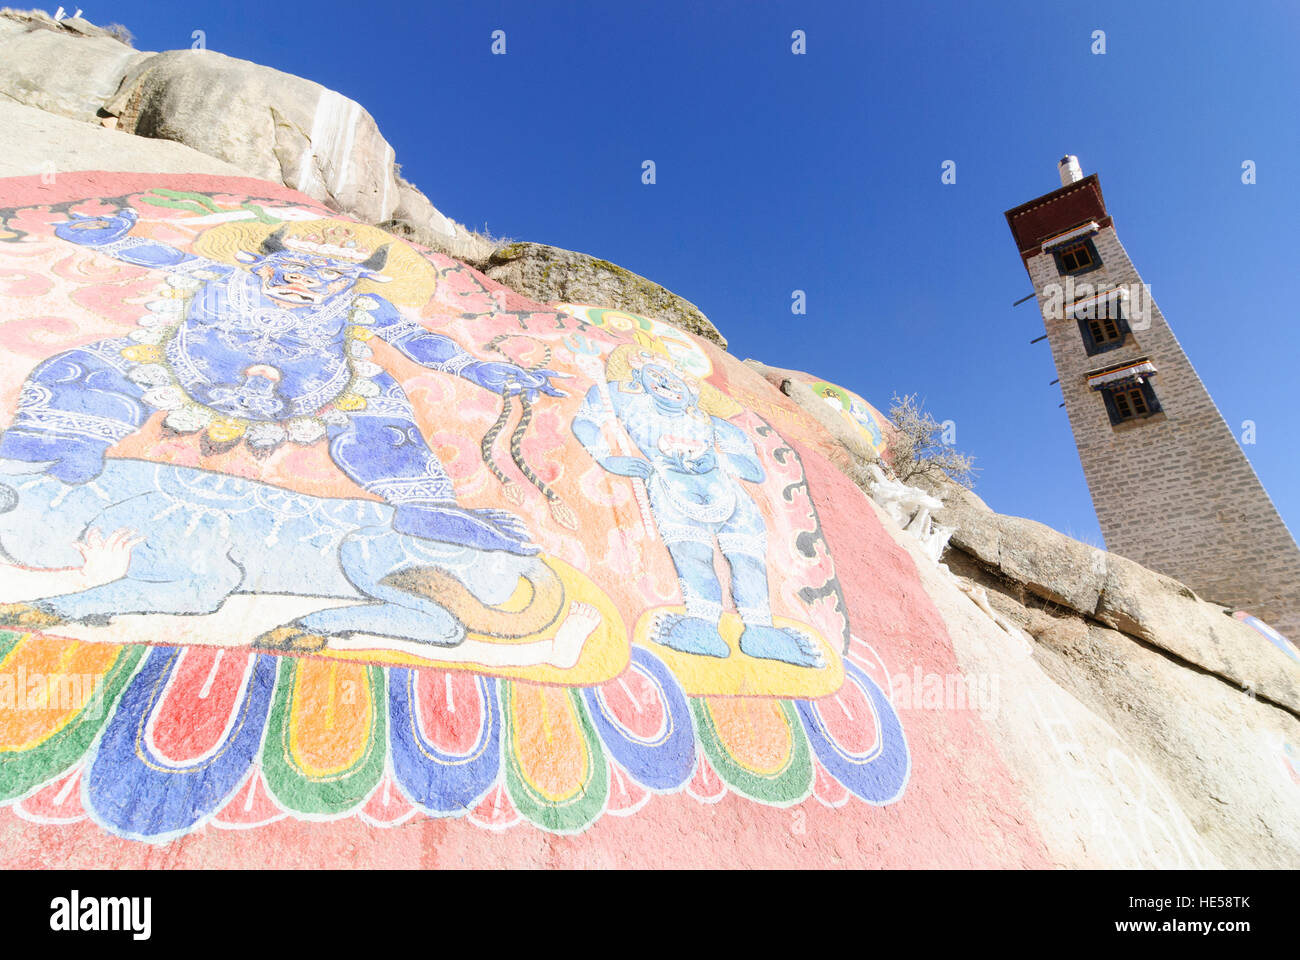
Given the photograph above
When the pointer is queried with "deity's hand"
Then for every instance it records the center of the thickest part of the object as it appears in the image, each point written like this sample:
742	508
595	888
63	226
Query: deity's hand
628	466
509	380
106	559
96	231
704	463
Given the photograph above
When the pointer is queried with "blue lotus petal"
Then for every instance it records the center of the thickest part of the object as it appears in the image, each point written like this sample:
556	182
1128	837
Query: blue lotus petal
878	776
666	760
135	791
442	783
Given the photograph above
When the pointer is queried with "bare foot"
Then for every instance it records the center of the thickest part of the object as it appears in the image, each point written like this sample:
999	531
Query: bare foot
581	622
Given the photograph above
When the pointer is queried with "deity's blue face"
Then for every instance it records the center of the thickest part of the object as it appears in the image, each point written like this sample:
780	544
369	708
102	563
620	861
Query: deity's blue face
666	387
297	280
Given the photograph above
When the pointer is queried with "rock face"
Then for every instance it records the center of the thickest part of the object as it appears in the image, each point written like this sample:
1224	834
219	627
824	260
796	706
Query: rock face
266	123
549	274
289	130
857	427
274	125
66	74
1116	592
53	144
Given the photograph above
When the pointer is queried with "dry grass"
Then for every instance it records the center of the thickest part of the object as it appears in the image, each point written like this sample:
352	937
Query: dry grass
120	33
41	19
467	246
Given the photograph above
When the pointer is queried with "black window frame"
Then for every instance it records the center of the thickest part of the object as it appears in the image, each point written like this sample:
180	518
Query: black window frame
1090	345
1109	394
1059	253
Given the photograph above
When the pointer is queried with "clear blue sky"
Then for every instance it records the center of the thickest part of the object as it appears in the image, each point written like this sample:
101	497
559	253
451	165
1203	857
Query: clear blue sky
822	173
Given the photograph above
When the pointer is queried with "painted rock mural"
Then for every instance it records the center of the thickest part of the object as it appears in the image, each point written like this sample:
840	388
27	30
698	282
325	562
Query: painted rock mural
872	425
1273	637
316	535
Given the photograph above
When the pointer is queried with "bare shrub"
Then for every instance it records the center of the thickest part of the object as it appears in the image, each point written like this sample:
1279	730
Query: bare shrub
919	450
120	33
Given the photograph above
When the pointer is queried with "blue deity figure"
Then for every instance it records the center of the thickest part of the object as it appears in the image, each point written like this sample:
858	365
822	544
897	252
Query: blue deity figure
273	352
693	463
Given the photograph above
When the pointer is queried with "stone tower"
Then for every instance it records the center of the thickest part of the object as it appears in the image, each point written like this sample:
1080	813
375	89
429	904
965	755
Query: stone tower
1170	483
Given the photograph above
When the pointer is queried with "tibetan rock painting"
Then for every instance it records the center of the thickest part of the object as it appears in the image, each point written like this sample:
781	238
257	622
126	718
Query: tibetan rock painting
332	526
870	423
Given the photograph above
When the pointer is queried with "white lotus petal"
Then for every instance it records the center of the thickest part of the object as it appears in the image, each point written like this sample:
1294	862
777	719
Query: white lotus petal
148	334
188	418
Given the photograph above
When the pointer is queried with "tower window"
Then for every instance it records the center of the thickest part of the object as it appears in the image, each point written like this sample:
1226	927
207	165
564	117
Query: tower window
1102	324
1103	331
1077	258
1130	401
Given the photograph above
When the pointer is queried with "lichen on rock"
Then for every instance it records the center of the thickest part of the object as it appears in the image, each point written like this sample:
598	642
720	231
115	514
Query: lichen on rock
550	274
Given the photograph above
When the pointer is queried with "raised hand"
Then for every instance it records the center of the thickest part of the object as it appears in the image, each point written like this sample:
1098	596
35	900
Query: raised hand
628	466
509	380
106	559
704	463
96	231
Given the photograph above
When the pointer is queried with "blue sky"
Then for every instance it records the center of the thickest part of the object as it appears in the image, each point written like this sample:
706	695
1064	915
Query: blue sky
821	172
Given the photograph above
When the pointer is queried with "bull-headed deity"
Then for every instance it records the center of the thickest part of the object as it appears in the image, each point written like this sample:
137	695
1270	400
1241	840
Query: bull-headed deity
269	350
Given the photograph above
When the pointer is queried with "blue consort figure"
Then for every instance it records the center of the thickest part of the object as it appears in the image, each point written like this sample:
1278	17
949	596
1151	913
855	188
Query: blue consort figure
693	463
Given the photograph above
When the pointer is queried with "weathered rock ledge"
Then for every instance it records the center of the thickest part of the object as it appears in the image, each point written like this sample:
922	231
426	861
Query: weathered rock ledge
274	126
550	275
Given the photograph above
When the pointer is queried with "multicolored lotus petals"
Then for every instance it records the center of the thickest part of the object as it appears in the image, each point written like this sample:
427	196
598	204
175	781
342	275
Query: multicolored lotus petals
324	750
644	719
175	738
554	763
40	743
757	746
